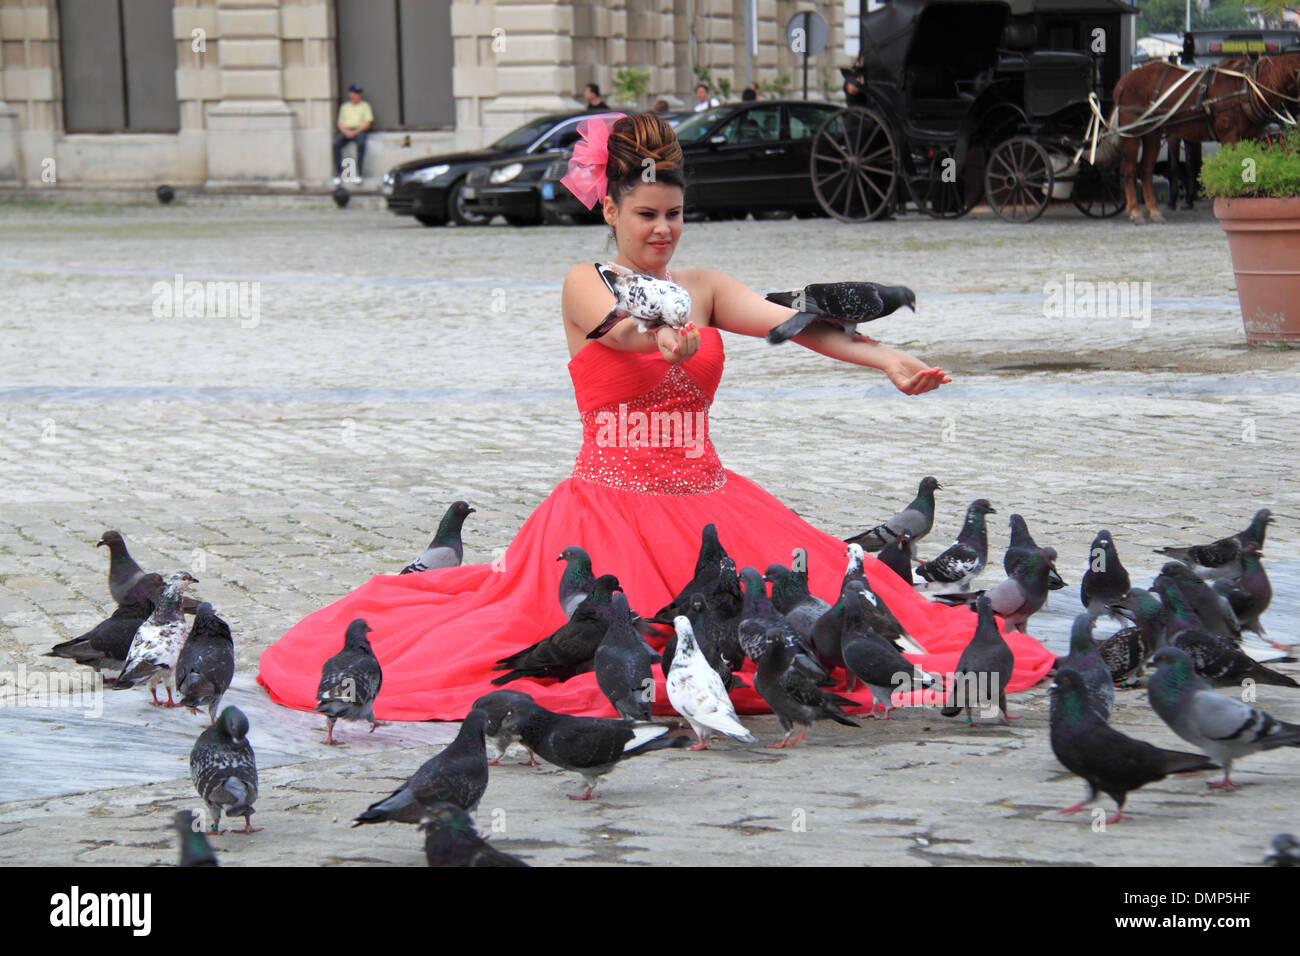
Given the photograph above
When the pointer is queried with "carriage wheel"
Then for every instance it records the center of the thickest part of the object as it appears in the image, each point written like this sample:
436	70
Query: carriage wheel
854	165
944	191
1018	180
1098	192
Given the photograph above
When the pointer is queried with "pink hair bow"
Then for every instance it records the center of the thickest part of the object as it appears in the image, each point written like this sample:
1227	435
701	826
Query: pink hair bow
586	175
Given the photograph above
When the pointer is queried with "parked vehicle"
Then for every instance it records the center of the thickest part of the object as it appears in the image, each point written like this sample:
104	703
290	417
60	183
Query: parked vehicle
509	187
431	189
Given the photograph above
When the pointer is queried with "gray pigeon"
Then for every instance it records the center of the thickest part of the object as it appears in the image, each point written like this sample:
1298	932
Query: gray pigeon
897	556
1086	660
790	596
1224	727
1124	654
1222	558
916	519
623	665
874	660
224	769
1286	851
793	696
350	682
1250	594
840	304
710	574
1221	662
986	663
194	846
577	580
1021	546
1106	580
157	643
1212	609
206	664
446	549
591	746
1023	595
457	774
963	561
495	705
571	648
450	840
124	574
106	645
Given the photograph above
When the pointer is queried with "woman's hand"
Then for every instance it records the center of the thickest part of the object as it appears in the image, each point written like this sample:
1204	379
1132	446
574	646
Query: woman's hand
676	347
912	376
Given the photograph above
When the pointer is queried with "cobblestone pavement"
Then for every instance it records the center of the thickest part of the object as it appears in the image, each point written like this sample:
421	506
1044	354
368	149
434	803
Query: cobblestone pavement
381	370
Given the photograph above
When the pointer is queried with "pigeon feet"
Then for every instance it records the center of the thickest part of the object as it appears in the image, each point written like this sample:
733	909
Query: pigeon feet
532	760
702	745
1119	815
248	827
1224	784
585	795
374	724
1076	808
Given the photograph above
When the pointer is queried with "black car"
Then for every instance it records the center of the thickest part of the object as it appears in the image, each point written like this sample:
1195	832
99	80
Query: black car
430	188
740	158
510	187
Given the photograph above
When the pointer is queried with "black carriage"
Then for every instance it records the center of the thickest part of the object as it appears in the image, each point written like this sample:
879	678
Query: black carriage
964	99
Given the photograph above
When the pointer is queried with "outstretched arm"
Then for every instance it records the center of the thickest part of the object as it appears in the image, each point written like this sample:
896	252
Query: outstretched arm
737	308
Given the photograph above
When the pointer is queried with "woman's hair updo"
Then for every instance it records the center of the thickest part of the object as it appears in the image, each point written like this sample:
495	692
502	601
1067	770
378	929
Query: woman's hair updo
635	139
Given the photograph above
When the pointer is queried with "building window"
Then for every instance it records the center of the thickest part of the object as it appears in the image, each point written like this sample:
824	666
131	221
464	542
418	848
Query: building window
400	53
118	63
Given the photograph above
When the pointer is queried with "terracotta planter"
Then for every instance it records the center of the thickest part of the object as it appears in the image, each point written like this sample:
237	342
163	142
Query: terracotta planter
1264	238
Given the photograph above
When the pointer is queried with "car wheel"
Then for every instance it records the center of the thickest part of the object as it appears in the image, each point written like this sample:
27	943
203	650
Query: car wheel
431	220
457	211
523	221
773	214
557	218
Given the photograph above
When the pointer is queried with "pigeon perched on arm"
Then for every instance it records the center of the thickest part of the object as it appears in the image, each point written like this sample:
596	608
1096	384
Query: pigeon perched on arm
350	682
1224	727
623	665
446	549
963	561
1022	545
450	840
916	519
590	746
1105	581
571	649
652	303
1085	659
495	706
577	579
194	846
457	774
1222	558
158	642
696	691
986	663
224	769
106	645
206	664
1106	759
793	696
842	304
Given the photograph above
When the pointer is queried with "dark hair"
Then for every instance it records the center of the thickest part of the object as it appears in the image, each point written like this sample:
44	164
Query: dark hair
632	140
748	95
594	88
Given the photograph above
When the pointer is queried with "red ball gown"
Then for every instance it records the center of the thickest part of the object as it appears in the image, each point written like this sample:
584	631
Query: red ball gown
645	483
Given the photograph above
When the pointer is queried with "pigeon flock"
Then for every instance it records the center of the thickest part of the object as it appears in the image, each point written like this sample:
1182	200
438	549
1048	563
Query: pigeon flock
796	648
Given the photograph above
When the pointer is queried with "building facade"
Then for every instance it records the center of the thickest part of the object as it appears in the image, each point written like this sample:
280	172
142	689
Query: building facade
245	93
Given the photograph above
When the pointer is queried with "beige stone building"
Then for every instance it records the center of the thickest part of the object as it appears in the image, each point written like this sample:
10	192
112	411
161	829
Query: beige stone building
245	93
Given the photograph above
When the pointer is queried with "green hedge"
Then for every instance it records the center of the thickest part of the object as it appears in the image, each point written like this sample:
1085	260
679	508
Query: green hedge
1251	168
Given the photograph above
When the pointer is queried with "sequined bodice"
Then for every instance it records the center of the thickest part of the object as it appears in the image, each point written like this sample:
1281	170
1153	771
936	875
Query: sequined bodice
645	422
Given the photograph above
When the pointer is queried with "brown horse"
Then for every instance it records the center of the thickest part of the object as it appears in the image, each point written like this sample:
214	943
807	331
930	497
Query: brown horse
1202	106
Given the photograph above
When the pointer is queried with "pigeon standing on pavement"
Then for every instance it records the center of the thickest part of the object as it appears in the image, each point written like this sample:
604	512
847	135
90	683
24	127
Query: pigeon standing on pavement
916	519
350	682
570	649
697	692
842	304
494	706
1124	654
450	840
1022	545
206	664
1023	594
1106	759
1222	558
457	774
194	846
124	574
577	580
986	663
590	746
793	696
1220	661
157	643
791	597
224	769
873	660
622	665
1085	659
1224	727
1209	607
963	561
105	646
1250	594
446	549
1105	581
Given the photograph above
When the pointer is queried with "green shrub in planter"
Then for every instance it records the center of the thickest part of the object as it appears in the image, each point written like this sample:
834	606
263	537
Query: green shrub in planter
1250	168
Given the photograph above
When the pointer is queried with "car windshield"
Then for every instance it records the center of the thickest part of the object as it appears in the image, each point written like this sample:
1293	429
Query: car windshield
524	136
693	129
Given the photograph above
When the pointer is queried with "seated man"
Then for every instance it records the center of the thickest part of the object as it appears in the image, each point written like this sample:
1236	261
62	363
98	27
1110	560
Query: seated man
355	120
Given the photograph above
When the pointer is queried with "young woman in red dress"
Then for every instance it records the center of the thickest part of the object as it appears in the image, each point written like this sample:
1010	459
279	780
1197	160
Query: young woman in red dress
636	507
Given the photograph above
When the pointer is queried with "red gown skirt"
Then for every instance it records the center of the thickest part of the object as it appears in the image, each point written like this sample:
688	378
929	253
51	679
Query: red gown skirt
645	484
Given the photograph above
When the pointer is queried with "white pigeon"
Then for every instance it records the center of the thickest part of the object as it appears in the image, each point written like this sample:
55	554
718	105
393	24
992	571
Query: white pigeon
158	642
697	693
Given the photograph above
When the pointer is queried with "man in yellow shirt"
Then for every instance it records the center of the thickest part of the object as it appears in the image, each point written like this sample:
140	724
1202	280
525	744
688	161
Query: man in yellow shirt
355	120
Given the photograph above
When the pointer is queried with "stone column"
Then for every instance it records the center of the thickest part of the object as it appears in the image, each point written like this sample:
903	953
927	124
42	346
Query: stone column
8	123
251	132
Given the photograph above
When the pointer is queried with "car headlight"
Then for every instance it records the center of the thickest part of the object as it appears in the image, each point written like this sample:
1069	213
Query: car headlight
428	174
506	173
